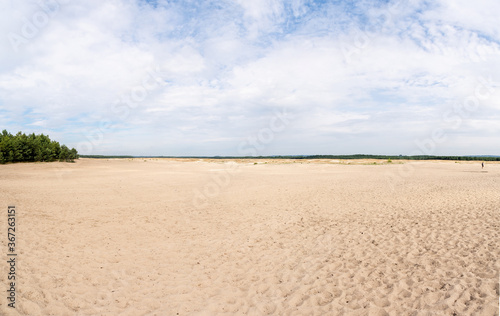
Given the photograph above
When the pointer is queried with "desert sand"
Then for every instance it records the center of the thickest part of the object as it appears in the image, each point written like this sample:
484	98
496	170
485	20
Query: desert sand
263	237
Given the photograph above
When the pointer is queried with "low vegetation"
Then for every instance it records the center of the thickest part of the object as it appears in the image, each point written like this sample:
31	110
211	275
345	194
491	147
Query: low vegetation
389	159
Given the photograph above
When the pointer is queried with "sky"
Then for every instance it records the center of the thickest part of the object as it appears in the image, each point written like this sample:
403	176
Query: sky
253	77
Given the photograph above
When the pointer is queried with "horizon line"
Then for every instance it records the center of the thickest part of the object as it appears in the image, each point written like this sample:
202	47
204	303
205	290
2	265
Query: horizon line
317	156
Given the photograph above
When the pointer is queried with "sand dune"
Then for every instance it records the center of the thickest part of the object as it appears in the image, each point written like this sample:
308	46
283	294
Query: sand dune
200	237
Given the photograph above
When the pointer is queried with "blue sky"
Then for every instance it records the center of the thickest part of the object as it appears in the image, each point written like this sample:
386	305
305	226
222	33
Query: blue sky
262	77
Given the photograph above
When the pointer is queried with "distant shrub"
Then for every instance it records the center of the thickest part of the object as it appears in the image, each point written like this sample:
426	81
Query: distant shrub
389	160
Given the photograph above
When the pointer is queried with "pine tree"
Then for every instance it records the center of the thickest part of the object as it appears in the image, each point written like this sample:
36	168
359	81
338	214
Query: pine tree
22	147
64	155
73	153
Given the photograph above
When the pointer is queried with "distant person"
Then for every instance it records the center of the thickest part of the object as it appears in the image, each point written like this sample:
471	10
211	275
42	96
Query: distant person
482	165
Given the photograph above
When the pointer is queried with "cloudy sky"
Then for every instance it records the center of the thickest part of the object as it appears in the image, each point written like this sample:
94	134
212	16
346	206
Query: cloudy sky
245	77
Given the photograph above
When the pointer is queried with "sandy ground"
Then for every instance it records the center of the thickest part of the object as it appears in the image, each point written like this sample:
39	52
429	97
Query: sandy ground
173	237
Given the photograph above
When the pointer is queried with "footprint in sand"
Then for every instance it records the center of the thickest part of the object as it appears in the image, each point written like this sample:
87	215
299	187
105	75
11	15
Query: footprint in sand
267	308
324	298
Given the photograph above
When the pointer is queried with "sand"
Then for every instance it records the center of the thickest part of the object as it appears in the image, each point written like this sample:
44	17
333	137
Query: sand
264	237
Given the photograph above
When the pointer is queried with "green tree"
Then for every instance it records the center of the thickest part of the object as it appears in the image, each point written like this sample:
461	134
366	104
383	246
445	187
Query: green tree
17	148
55	149
73	154
10	157
32	147
64	154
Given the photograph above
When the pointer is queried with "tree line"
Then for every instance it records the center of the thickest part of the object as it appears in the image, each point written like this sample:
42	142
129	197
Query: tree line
399	157
357	156
31	148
